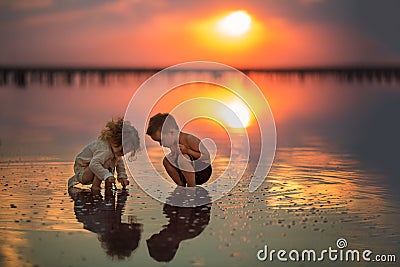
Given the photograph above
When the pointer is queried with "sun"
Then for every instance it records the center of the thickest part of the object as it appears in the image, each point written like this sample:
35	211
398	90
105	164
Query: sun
235	24
238	115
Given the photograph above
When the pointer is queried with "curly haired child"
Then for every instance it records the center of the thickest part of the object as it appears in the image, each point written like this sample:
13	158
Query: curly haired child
99	160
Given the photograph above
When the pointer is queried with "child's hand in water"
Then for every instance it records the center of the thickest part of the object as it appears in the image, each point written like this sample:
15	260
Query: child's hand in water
110	180
124	182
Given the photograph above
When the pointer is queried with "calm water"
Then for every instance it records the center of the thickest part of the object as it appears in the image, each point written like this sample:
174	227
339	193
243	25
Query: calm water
334	176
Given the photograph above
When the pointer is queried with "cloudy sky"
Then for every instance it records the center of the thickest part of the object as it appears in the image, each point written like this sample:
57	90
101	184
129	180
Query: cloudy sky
159	33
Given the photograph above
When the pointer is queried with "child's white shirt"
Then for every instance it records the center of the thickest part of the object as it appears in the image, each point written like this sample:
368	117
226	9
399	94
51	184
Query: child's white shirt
100	158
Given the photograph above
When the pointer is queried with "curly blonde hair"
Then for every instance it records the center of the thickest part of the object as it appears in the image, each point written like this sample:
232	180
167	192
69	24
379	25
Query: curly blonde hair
115	129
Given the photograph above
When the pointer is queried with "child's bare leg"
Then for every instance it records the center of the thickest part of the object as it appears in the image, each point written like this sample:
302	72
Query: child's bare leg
172	171
88	176
187	169
96	184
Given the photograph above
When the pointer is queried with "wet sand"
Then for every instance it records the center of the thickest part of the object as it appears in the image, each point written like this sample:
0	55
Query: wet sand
309	200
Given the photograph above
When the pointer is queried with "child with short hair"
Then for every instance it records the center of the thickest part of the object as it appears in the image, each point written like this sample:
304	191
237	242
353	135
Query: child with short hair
98	161
188	164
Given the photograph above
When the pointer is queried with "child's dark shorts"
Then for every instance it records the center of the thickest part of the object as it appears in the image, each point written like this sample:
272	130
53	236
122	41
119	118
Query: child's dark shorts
201	176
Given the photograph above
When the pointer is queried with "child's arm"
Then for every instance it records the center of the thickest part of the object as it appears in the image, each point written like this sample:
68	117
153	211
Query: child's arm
96	165
196	149
122	176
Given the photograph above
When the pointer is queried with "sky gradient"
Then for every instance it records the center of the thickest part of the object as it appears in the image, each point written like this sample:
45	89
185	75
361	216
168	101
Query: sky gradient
137	33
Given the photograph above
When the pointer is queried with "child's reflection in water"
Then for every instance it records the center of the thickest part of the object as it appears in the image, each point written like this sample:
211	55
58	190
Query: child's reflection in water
184	223
103	217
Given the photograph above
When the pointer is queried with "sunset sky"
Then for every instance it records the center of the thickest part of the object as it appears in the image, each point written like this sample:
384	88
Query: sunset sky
140	33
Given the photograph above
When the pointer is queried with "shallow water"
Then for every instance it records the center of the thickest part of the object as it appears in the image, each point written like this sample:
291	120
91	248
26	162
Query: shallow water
296	207
334	176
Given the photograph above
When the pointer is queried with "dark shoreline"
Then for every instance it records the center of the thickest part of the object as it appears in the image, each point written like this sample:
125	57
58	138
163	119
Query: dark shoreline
24	76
